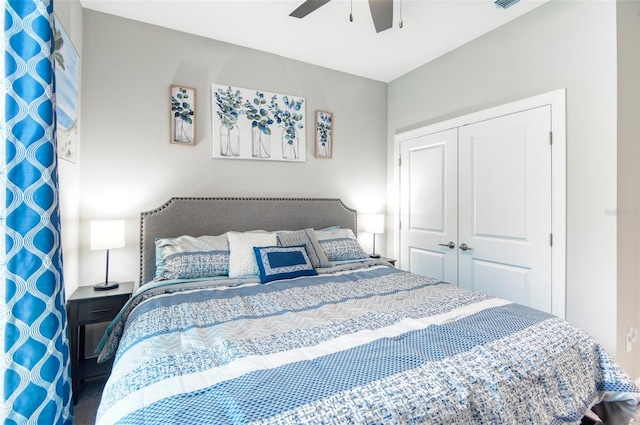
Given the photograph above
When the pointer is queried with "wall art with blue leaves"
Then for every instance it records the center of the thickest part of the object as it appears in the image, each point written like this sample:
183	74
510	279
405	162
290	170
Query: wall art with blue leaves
255	124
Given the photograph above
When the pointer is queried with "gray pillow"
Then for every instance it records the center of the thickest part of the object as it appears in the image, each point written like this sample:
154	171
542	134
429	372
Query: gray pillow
307	238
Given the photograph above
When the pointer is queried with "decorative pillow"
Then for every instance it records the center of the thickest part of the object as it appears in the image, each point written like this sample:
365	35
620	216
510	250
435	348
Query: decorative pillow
307	238
340	245
242	261
159	260
334	233
283	262
329	228
188	257
191	265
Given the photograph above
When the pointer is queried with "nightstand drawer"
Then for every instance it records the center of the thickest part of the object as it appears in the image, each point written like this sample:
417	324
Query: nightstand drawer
101	310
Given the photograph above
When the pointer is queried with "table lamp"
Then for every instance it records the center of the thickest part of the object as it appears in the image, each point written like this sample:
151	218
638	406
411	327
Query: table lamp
107	234
374	223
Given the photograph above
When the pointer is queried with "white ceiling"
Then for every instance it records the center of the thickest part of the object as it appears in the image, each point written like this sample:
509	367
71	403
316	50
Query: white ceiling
326	37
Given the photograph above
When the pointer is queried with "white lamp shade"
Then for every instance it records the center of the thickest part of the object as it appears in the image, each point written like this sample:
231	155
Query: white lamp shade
107	234
373	223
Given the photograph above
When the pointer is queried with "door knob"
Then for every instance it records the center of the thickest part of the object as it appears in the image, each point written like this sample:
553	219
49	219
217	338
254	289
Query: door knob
449	245
465	247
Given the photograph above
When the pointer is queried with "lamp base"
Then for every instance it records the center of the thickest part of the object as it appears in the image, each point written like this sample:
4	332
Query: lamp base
105	286
374	255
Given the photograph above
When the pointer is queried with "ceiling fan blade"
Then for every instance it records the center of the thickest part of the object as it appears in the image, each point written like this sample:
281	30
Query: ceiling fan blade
382	14
307	7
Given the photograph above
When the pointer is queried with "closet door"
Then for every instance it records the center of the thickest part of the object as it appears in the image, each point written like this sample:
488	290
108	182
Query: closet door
429	205
505	207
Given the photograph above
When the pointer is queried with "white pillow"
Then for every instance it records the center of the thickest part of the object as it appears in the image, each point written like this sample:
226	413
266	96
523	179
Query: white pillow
242	260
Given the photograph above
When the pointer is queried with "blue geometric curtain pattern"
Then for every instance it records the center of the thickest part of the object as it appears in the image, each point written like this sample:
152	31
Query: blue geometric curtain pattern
36	383
3	186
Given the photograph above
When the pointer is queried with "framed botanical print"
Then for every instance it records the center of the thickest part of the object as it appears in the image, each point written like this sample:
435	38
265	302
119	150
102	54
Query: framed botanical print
182	127
258	125
324	134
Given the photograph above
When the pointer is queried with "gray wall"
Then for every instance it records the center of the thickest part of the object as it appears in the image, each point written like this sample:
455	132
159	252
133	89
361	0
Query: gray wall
128	165
560	44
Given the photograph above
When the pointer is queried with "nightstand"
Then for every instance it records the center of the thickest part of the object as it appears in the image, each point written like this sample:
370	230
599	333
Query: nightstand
86	306
388	260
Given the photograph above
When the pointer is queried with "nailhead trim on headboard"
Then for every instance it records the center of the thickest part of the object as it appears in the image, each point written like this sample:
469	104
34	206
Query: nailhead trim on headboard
328	210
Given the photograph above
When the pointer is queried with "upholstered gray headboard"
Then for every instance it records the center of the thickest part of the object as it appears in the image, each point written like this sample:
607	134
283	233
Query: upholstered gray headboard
215	216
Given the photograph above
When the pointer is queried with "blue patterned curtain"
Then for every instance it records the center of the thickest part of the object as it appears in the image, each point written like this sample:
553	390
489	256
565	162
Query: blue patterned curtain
36	382
3	186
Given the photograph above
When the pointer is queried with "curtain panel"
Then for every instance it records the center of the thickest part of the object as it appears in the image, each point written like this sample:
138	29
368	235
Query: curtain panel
3	188
36	381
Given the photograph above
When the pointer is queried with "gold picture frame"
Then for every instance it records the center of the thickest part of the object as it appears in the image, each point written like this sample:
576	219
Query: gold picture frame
182	120
324	134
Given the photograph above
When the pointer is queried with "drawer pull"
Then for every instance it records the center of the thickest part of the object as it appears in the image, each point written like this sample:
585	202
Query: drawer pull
102	310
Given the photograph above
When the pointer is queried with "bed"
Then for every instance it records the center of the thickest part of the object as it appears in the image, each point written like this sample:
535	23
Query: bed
304	328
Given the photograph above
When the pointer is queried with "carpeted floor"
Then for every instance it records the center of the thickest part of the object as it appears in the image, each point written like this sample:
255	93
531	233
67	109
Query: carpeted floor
85	410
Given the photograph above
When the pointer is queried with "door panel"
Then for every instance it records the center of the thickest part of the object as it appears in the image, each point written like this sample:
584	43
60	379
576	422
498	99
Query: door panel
429	203
505	207
428	263
502	280
499	162
426	176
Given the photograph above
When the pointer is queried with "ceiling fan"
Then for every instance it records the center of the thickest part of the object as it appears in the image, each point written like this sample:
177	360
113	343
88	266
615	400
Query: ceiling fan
381	11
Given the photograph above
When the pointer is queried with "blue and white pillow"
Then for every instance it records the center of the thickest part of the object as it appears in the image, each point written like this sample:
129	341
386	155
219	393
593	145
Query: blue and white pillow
188	257
283	262
340	245
192	265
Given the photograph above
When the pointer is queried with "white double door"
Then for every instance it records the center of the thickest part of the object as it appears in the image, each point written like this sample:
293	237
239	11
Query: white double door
475	206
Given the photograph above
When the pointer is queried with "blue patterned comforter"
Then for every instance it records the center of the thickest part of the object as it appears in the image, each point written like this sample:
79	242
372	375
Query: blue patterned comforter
367	345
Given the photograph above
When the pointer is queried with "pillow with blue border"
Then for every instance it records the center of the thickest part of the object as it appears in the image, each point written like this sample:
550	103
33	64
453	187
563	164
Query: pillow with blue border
283	262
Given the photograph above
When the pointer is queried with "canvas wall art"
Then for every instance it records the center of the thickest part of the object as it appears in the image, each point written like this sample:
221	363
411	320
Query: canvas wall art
255	124
67	71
